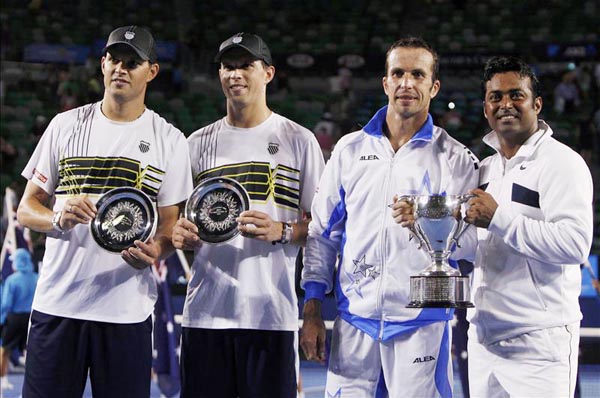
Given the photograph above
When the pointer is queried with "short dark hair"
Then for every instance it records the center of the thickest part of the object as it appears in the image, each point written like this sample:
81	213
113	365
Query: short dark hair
503	64
415	42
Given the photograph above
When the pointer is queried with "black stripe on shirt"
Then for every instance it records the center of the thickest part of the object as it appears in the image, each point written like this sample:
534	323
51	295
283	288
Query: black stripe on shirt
525	196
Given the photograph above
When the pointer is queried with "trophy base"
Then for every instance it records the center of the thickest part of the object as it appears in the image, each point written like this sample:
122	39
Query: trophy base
440	304
439	291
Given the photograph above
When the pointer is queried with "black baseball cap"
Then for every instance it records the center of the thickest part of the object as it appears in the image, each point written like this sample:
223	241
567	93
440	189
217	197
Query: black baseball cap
138	38
249	42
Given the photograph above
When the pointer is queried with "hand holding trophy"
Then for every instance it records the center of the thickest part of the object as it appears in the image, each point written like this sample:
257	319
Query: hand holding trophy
438	228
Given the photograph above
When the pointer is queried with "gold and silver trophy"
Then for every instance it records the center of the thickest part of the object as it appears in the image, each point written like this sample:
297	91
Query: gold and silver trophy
124	215
214	206
438	227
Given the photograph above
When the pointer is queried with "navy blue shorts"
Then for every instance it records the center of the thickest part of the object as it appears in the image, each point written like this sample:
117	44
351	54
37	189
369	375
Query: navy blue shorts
61	351
230	363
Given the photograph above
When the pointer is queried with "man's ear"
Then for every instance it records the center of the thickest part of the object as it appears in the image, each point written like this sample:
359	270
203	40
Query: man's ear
435	89
384	84
270	74
538	104
153	72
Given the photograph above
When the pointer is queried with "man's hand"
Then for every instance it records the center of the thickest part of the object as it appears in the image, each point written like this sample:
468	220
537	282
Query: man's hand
142	255
77	210
596	285
185	235
258	225
403	212
312	336
481	208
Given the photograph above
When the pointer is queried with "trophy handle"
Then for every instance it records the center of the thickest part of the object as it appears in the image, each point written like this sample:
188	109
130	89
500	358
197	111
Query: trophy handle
460	230
415	229
418	232
466	197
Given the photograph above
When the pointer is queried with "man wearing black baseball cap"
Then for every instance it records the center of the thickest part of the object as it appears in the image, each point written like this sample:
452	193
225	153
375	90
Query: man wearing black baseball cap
139	39
249	42
240	318
92	307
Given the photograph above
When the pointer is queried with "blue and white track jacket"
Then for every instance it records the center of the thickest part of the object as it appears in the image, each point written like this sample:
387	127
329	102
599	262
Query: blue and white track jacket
351	218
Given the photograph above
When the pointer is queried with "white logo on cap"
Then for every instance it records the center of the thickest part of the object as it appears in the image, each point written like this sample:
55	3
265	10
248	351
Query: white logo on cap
237	39
129	35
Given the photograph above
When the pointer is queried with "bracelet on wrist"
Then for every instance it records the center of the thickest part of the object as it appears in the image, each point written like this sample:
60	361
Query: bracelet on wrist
56	222
286	234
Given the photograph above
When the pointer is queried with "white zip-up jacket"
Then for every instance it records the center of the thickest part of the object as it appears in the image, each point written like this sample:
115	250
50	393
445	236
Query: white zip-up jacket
351	217
527	275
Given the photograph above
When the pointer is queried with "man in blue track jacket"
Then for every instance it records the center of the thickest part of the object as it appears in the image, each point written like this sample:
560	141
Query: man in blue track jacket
378	344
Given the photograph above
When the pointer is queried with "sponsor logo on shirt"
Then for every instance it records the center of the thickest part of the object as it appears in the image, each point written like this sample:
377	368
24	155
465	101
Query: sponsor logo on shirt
369	157
144	146
40	176
273	148
426	358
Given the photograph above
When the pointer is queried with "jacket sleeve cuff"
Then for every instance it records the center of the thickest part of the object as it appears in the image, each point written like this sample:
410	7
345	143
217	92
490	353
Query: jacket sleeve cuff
314	290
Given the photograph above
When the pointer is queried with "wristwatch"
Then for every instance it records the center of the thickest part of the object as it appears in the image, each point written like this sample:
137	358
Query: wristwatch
56	222
286	234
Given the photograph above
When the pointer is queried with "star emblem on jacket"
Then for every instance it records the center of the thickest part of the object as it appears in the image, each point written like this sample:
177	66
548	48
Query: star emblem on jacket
337	394
374	273
361	267
362	272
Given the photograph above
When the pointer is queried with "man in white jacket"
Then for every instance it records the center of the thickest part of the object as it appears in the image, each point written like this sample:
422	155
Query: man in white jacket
534	217
379	345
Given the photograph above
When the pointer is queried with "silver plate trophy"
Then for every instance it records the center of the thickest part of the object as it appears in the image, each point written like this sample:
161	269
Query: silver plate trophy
438	229
124	215
214	206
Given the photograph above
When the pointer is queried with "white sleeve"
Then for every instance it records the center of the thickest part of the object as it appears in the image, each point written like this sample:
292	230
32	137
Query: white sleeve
326	229
177	183
564	235
42	167
312	169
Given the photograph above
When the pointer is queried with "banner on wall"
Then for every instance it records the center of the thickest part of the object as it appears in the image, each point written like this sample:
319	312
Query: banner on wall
56	53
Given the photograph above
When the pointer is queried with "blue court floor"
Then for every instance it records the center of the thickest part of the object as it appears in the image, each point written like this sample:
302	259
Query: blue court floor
313	379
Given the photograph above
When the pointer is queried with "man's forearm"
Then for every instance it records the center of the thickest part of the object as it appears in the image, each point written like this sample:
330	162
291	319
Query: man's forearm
312	309
35	216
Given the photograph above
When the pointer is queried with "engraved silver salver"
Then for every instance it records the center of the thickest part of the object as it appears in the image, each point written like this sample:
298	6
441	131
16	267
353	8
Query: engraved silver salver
214	206
124	215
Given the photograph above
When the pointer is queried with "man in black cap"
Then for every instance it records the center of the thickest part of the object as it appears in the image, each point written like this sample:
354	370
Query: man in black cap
240	319
92	307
